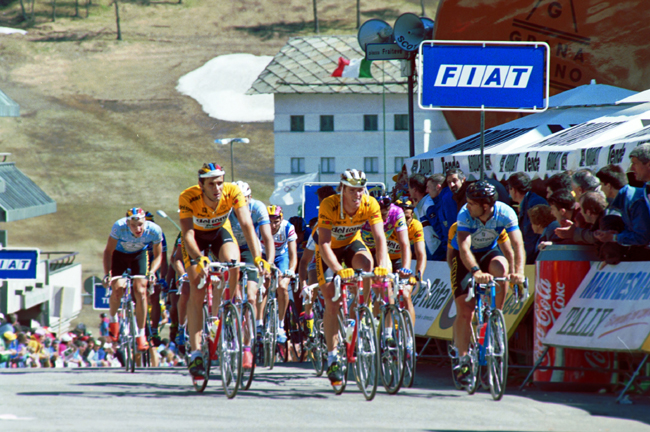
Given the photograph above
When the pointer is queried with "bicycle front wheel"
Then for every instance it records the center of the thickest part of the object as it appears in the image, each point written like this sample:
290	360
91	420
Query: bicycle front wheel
497	354
391	343
408	336
132	333
248	334
367	364
230	351
342	349
270	332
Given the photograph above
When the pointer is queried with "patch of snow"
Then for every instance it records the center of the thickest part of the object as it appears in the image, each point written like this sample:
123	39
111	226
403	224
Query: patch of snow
7	30
220	86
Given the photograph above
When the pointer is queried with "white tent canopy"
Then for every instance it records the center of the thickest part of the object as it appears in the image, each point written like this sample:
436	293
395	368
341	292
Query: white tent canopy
503	143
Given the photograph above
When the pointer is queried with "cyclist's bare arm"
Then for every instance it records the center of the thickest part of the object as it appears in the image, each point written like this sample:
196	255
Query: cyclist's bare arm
517	274
467	257
177	261
192	249
164	264
157	258
293	255
325	245
421	258
267	238
111	244
377	231
307	255
405	247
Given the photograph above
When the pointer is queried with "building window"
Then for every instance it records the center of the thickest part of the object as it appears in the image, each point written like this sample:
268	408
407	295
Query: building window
371	165
327	123
370	122
297	165
298	123
401	122
399	163
327	165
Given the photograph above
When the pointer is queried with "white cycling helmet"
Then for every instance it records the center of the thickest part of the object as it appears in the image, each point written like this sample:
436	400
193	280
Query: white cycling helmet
245	188
354	178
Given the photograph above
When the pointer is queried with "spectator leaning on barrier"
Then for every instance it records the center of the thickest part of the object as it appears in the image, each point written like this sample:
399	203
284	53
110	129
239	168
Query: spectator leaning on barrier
520	187
425	212
444	208
543	223
592	207
563	206
558	182
631	203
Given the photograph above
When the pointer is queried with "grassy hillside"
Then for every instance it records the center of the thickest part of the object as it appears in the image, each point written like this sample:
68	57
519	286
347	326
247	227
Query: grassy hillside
102	127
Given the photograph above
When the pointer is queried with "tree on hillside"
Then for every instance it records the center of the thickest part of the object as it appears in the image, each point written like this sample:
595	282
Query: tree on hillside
422	4
22	8
53	10
315	16
117	20
358	13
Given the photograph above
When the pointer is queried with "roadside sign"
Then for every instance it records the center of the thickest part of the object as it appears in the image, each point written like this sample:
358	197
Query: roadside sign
484	76
385	51
18	263
101	297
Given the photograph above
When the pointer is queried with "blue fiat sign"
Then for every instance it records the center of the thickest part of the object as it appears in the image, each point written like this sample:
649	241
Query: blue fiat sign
487	76
18	263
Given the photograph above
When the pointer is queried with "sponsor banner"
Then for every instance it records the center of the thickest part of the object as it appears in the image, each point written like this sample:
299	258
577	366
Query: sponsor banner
610	310
101	297
18	263
428	310
442	326
487	76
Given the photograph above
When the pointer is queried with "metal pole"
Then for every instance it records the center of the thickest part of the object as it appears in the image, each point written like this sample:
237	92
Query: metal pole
232	165
411	120
482	145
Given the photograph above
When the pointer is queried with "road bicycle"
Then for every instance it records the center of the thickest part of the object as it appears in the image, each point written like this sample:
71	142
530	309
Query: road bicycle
267	342
128	324
488	347
247	317
357	342
294	324
315	346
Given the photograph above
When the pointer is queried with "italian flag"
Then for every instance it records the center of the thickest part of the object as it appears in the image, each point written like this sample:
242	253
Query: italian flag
356	68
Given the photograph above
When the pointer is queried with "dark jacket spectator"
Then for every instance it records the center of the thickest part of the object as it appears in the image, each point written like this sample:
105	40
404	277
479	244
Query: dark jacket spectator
442	215
592	207
543	223
425	212
520	187
557	182
456	181
584	181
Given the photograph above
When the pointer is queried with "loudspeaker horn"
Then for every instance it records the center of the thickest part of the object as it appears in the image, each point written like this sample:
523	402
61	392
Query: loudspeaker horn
428	27
374	31
409	31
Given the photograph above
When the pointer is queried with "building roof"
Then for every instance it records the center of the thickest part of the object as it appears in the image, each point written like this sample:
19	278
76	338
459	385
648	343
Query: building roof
21	198
305	65
8	108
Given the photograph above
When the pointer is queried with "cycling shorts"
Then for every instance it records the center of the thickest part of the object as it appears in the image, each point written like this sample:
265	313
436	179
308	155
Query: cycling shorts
247	256
137	262
282	262
208	241
460	275
344	255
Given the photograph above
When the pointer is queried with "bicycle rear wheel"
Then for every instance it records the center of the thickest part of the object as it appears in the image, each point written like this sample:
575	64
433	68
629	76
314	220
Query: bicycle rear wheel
408	336
248	334
199	385
342	349
367	364
230	351
314	346
132	333
297	332
270	332
474	355
497	356
392	357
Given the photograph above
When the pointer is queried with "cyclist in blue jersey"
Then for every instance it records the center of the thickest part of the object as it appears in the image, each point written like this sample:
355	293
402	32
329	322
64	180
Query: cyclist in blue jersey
475	254
286	259
157	287
261	223
126	249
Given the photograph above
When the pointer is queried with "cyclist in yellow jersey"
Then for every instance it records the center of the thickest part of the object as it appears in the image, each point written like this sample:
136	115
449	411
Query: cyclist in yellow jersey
204	210
340	219
416	239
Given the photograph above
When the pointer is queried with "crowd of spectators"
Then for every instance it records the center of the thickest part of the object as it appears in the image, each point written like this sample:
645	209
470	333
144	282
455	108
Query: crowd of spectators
40	347
574	207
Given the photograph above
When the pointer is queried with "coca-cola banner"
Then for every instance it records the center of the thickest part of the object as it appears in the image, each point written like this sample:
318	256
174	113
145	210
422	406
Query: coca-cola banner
610	310
442	328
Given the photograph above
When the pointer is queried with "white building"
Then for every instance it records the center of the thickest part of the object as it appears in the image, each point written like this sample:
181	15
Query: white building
326	124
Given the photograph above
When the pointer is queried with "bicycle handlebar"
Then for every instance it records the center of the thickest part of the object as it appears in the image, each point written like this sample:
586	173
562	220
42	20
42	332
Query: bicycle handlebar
219	267
472	284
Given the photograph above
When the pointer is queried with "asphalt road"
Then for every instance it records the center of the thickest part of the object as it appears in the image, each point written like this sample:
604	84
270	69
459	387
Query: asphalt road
290	397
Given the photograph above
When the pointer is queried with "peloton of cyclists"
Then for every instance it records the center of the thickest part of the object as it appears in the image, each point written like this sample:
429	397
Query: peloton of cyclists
126	249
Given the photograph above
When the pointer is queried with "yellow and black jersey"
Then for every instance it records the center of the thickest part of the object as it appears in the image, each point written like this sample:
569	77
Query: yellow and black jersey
348	229
191	205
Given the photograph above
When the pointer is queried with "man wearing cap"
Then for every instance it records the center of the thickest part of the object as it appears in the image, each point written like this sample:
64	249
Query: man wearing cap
204	210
